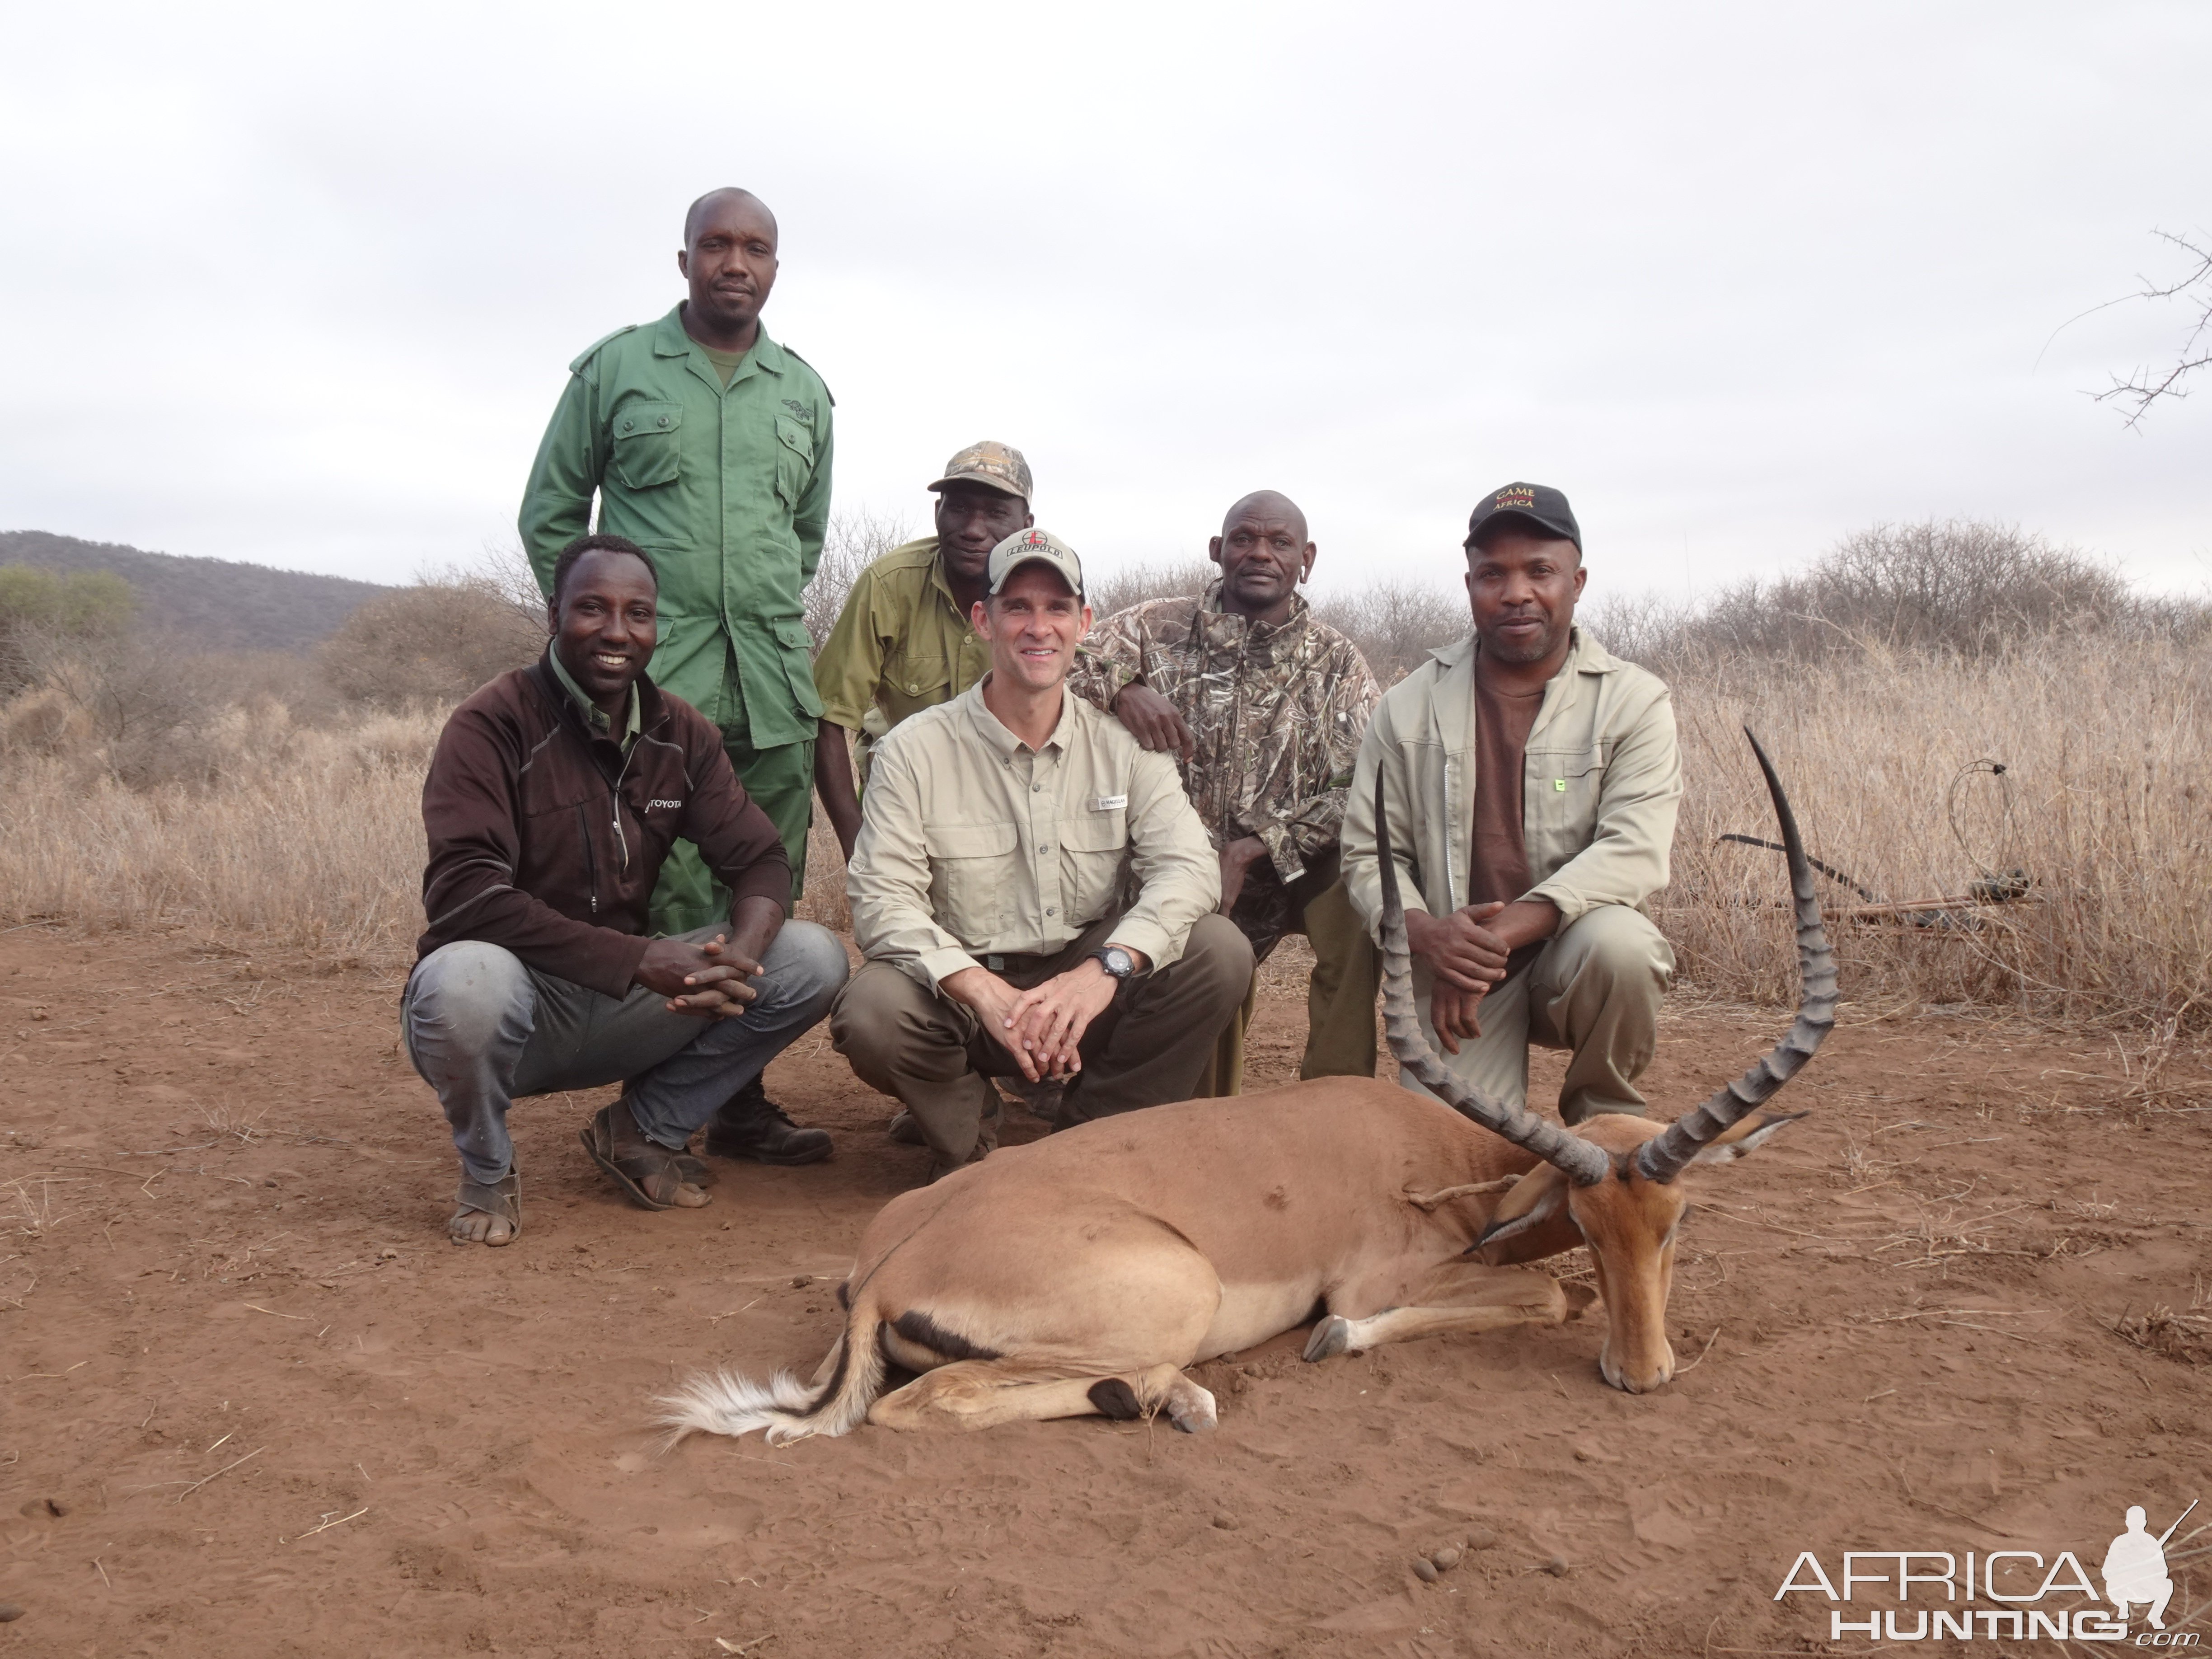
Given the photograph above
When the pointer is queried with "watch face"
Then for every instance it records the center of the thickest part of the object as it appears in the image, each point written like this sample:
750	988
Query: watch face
1119	962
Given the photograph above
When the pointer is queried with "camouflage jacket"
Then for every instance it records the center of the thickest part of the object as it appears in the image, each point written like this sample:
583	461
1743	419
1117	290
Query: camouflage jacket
1277	713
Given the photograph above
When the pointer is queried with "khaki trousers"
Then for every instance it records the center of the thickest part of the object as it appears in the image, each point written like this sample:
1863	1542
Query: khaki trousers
1148	1047
1340	995
1594	990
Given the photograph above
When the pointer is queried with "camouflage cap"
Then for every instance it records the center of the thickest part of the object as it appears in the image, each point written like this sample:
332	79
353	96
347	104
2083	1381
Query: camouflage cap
1033	547
994	466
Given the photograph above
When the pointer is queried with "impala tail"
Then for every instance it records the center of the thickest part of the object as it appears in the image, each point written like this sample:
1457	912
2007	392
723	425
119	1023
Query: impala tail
719	1403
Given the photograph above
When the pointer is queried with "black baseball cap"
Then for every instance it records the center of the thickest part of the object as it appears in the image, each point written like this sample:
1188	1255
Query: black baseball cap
1538	504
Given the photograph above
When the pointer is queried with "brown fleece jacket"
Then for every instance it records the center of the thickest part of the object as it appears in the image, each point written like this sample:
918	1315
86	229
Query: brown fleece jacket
547	839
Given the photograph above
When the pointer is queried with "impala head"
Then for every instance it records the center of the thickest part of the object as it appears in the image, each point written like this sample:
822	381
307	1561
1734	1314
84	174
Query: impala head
1614	1184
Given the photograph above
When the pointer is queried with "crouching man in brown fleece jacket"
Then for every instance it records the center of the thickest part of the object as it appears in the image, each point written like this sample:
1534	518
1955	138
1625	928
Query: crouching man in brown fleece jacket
550	805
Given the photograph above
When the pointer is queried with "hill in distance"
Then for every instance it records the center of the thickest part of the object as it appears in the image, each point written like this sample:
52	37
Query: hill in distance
218	604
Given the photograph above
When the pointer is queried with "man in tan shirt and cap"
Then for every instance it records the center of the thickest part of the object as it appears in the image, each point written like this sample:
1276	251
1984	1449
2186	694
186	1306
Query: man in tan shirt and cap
1001	832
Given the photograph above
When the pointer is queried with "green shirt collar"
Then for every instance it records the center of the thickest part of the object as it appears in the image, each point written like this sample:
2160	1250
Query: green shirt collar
669	340
595	720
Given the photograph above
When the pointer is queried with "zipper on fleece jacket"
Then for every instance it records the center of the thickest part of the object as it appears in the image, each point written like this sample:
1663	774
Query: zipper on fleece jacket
590	857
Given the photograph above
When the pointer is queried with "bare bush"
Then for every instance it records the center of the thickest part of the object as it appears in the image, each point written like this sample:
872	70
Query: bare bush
146	704
433	643
855	541
1396	623
1955	585
1132	584
42	610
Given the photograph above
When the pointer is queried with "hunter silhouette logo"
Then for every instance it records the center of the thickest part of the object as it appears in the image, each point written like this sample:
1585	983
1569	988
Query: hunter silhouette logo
2030	1594
2134	1568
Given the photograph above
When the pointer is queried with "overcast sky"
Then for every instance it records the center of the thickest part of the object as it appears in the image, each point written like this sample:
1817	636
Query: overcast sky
300	285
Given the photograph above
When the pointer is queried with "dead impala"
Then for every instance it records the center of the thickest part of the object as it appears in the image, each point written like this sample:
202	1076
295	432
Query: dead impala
1081	1274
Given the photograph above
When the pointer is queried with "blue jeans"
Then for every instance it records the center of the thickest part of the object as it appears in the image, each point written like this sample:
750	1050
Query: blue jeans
483	1029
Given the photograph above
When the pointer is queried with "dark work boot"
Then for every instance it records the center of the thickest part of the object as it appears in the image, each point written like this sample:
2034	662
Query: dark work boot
750	1125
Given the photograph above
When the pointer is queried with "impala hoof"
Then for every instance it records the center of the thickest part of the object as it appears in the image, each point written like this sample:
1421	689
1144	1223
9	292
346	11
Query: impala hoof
1191	1408
1332	1337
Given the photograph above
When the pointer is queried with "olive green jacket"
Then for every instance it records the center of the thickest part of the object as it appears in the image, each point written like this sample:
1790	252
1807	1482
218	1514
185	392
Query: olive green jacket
1600	783
728	490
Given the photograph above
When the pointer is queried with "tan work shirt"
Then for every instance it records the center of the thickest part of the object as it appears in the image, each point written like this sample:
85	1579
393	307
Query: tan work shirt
1601	781
973	844
901	644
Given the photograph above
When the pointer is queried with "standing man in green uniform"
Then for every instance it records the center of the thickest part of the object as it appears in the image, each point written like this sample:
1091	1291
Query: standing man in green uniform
905	641
708	445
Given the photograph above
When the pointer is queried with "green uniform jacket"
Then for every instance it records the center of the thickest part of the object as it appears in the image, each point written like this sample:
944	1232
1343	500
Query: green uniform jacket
729	491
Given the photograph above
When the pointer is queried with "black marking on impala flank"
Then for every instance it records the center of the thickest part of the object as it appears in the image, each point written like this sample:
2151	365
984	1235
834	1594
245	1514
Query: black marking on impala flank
845	1297
1116	1398
919	1329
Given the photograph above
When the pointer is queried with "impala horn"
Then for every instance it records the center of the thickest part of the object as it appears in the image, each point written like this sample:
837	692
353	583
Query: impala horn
1584	1163
1665	1156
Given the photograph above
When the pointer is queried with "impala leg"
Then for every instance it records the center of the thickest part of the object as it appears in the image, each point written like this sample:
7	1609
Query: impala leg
1462	1296
982	1394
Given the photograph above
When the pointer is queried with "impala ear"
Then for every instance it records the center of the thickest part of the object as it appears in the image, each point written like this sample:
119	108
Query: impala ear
1536	1198
1742	1139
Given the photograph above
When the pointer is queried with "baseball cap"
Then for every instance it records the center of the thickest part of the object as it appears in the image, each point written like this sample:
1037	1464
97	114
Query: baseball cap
994	466
1033	547
1539	504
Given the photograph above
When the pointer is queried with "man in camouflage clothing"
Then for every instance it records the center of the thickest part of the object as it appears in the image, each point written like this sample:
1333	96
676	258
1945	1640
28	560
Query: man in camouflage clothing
1265	706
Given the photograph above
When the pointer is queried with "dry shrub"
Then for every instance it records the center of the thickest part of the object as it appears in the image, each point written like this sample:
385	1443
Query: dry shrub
1132	584
41	609
436	642
1396	624
855	541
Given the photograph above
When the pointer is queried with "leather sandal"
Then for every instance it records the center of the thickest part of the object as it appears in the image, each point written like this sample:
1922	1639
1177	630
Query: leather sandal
634	1171
501	1201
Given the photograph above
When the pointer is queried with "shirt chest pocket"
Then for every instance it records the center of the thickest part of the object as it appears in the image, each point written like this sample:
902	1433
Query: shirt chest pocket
1563	788
972	877
914	680
648	439
1094	856
794	459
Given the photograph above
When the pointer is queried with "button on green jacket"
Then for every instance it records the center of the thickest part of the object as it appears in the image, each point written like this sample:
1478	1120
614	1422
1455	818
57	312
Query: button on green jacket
728	490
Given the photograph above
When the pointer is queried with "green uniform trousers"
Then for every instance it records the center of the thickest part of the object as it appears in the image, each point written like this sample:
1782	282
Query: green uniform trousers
781	780
1340	996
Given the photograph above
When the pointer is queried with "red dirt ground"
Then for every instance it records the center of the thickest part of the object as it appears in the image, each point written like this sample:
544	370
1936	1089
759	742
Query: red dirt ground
254	1404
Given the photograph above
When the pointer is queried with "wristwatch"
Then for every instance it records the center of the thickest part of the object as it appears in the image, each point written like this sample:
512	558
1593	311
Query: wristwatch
1118	963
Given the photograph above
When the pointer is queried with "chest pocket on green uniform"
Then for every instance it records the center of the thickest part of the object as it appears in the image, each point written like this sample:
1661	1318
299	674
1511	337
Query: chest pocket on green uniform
647	438
794	459
911	682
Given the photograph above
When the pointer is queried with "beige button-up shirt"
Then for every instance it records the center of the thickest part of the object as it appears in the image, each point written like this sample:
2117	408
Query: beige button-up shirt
972	843
1601	781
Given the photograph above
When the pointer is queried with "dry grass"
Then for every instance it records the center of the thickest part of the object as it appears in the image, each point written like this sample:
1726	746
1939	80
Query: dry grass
308	838
2107	760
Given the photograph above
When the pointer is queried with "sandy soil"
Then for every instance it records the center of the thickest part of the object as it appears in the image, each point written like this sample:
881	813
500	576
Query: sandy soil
254	1403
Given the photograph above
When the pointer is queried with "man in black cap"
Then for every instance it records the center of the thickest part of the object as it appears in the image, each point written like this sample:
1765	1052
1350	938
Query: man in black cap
1531	780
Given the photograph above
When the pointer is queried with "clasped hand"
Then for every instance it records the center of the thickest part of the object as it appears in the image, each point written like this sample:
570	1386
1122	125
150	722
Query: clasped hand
707	982
1467	959
1042	1027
